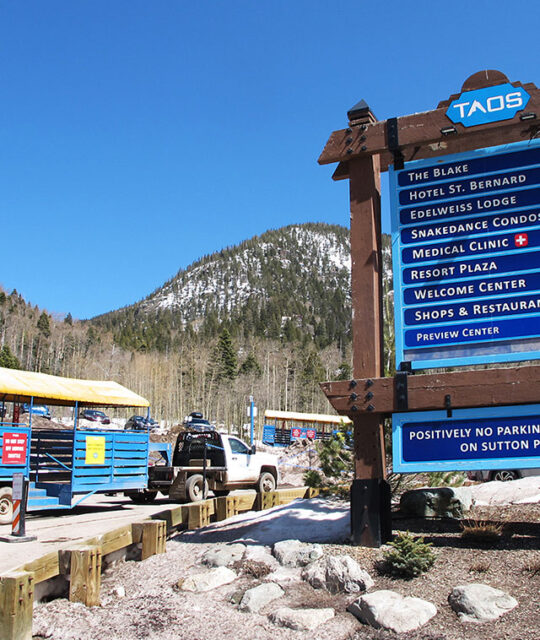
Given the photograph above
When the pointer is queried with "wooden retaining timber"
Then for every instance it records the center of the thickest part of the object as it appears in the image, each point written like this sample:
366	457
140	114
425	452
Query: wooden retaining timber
83	563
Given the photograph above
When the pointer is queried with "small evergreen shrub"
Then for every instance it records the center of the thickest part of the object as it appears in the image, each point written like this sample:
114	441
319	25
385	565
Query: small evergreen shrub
408	558
313	478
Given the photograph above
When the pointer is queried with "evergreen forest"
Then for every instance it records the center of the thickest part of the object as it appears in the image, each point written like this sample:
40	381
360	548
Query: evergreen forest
269	318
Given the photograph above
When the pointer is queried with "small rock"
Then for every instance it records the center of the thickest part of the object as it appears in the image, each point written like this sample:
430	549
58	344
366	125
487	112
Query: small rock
293	553
480	602
443	502
119	591
256	598
285	575
209	580
338	574
225	555
301	619
392	611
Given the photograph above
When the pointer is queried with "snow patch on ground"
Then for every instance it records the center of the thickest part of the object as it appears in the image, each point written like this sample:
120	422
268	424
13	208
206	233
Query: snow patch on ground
315	520
523	491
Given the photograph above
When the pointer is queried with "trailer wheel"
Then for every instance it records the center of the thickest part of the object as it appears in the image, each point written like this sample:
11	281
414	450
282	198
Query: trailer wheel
6	505
266	482
142	496
194	488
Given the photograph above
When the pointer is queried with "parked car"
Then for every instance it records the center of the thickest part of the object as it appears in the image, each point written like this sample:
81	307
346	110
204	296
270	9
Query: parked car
196	422
37	410
140	422
95	416
502	475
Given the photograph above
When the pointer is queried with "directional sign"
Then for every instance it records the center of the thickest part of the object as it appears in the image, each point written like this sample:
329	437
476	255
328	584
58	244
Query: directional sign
466	255
491	438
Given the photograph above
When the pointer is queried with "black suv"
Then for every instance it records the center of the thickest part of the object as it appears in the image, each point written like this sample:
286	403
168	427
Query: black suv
196	422
140	423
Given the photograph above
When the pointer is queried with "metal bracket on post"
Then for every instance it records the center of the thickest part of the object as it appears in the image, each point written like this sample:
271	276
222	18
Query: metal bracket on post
401	384
393	143
448	405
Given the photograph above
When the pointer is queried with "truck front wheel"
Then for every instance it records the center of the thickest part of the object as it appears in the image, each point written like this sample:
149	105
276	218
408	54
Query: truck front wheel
266	482
195	490
6	505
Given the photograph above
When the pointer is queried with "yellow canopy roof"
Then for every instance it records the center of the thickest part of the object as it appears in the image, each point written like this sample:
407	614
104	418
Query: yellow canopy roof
21	386
306	417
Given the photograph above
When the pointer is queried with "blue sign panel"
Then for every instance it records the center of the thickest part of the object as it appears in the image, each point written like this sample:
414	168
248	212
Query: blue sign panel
491	438
491	104
466	254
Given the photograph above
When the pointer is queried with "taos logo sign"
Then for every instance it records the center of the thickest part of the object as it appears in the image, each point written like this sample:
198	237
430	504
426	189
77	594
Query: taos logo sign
491	104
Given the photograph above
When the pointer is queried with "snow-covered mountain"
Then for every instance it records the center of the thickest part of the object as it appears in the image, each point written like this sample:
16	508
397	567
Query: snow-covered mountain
291	283
264	266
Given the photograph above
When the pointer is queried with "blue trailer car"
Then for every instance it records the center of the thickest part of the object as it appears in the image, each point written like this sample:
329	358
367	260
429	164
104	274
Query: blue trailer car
65	466
282	428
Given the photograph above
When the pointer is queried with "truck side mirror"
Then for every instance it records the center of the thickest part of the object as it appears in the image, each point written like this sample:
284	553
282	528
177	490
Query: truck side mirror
253	450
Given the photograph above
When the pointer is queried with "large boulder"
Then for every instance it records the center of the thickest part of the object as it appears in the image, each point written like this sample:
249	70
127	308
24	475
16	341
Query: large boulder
208	580
224	555
440	502
301	619
337	574
293	553
393	611
256	598
480	602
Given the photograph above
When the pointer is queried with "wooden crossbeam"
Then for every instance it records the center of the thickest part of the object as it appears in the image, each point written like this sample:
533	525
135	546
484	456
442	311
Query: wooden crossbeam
427	392
420	136
43	568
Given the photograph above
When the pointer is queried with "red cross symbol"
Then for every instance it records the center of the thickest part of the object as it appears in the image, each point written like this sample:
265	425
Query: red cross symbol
521	240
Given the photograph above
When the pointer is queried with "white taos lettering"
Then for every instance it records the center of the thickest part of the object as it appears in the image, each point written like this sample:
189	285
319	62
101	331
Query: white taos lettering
495	103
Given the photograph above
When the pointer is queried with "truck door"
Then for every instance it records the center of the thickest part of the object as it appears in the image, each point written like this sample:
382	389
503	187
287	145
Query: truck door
240	469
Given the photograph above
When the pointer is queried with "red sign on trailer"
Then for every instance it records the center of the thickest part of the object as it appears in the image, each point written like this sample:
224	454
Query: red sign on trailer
14	448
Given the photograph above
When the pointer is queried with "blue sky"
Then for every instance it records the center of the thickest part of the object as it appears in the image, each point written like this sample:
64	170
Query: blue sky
138	136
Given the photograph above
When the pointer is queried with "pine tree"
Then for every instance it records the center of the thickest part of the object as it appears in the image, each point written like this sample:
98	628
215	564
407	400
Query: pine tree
69	319
251	366
227	360
7	359
44	325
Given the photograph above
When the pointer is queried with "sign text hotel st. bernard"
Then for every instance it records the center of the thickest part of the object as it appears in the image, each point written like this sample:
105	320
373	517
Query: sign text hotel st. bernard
466	237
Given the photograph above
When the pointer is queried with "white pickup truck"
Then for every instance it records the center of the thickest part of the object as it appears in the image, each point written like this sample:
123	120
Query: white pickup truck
204	461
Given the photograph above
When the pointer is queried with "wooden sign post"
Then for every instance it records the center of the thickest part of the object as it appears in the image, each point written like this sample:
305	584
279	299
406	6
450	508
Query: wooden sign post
362	150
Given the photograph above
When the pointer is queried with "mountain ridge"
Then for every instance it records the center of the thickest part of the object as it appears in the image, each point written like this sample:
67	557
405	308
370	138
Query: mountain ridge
283	283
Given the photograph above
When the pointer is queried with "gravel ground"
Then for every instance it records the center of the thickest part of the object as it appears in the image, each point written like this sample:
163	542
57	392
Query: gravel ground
153	607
